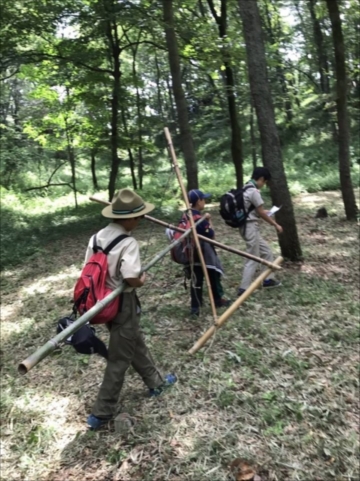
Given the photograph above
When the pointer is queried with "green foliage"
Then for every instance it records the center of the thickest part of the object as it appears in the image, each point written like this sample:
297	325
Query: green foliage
58	85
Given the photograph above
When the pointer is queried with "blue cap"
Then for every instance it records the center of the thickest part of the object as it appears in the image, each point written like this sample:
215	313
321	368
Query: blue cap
195	195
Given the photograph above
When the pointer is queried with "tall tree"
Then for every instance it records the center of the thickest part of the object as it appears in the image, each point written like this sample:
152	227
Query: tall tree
274	33
187	142
342	111
270	142
323	63
236	142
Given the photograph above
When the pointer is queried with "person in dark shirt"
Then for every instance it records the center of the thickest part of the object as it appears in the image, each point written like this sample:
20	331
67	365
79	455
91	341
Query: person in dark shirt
214	268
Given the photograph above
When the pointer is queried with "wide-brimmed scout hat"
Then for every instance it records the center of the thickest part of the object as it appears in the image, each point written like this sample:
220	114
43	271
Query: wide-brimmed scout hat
127	204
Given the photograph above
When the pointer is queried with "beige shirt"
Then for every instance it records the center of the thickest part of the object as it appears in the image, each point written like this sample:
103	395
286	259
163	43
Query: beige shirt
252	197
123	259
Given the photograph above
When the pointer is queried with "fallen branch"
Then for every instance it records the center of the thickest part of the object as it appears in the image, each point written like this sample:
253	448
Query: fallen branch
48	185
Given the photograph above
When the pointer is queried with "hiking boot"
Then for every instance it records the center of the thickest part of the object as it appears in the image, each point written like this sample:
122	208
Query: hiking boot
268	283
95	423
222	302
240	292
170	379
194	311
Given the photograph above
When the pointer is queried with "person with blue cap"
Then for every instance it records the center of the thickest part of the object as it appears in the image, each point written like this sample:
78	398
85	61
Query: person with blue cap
214	268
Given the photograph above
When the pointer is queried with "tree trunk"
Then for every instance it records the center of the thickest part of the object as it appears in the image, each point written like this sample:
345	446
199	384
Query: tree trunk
158	89
140	155
70	151
279	69
270	142
323	64
181	105
253	136
138	111
93	169
236	141
114	45
131	157
342	112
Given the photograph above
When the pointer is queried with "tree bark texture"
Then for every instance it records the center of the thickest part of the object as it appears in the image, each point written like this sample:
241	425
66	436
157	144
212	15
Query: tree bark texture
236	138
131	157
115	50
93	169
270	142
342	111
323	63
279	68
187	142
253	136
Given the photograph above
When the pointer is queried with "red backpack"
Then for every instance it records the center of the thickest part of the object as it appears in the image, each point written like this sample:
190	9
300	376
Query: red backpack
90	287
181	254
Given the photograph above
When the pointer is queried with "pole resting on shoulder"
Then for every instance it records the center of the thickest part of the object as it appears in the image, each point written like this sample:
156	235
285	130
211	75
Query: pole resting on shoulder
31	361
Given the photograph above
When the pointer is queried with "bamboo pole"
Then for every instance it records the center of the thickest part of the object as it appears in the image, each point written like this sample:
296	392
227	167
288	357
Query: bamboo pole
48	347
222	319
190	215
203	238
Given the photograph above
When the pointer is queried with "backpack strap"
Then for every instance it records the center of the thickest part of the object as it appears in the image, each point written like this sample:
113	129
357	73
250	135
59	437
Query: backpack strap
95	246
247	187
114	243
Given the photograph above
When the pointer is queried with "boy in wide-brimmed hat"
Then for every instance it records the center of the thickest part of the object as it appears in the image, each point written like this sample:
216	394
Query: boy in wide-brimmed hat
126	345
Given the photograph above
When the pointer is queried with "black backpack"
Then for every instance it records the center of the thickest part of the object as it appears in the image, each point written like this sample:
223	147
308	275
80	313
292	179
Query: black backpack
232	208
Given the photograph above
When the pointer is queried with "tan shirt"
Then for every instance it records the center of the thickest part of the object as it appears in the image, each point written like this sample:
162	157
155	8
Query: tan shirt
252	197
123	259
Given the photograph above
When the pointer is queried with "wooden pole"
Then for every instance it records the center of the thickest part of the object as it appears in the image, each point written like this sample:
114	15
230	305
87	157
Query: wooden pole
190	215
47	348
203	238
222	319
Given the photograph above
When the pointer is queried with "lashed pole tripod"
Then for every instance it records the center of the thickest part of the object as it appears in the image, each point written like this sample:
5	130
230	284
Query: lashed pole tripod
189	211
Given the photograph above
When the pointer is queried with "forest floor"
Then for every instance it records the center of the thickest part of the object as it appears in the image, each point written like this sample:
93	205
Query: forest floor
277	387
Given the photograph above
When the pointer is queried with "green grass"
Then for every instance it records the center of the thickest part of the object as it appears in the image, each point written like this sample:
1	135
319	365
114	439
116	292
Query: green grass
277	385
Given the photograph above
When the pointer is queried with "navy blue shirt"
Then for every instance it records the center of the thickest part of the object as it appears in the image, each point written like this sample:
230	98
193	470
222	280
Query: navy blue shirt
204	227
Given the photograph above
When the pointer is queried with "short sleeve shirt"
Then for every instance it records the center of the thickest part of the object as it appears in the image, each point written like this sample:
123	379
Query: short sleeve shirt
253	197
123	259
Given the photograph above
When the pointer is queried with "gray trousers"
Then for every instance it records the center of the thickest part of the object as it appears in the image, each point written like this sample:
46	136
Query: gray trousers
126	347
256	246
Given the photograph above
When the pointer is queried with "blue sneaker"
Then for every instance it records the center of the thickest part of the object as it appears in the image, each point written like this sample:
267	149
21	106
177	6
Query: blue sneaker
170	379
194	311
96	423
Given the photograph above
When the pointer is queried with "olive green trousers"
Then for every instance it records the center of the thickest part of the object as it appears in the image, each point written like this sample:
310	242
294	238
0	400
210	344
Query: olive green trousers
126	348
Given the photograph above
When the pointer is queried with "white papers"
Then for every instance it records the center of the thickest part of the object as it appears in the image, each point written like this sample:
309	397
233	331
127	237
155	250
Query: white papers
273	210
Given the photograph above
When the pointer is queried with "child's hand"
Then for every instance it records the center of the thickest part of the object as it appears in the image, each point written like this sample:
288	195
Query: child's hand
142	278
207	216
279	228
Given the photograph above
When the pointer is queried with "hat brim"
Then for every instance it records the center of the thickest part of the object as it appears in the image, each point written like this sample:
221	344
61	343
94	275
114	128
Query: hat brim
206	196
108	213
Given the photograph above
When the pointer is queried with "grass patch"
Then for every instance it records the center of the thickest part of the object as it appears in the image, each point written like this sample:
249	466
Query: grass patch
278	384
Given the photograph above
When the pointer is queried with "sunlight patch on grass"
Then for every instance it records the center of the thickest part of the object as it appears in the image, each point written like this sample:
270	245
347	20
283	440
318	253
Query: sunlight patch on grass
45	284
